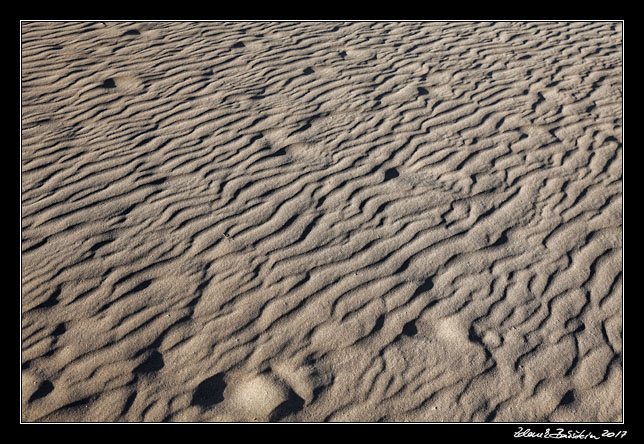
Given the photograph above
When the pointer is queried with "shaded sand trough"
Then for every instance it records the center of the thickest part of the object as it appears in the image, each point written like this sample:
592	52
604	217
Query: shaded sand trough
274	221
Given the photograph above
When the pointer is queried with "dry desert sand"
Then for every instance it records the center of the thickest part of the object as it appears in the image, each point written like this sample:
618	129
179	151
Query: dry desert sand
321	221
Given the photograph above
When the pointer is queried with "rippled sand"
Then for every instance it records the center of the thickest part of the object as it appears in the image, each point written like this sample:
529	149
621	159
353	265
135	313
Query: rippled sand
276	221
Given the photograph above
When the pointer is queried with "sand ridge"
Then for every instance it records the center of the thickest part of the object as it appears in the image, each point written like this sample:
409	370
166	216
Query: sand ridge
321	221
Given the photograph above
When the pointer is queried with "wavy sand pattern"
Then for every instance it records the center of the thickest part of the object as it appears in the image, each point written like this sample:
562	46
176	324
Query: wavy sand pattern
277	221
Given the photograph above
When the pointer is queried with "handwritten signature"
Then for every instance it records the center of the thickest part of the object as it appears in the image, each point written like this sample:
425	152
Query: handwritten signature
567	434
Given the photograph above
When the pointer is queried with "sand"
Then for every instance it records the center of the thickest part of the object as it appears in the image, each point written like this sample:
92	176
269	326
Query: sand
321	221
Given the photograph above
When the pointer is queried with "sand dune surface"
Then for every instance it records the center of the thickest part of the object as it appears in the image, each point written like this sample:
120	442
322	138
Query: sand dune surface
321	221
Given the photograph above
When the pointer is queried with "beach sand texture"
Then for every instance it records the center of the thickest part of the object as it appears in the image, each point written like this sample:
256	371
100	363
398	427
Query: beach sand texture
321	221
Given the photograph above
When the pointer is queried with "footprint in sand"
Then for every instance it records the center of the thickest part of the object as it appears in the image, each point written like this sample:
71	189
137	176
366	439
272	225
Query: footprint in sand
264	398
210	391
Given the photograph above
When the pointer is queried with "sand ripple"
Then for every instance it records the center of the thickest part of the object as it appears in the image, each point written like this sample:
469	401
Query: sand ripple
321	221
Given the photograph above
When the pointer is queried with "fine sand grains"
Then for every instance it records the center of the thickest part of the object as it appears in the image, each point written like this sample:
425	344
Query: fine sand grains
321	221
